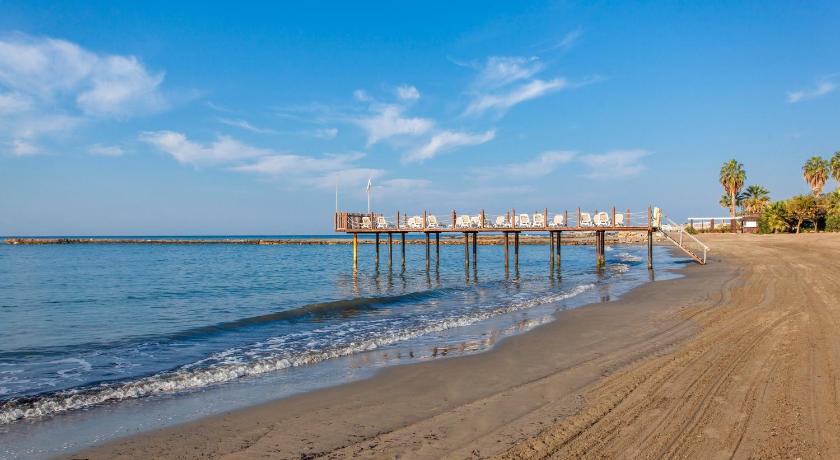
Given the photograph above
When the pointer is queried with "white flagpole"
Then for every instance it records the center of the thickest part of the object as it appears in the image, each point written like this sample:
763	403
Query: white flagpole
368	193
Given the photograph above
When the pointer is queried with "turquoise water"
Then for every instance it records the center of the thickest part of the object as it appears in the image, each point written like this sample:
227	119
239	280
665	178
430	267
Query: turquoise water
90	327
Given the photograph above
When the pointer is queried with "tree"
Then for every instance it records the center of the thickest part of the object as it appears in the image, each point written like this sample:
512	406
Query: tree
755	199
835	168
816	171
732	178
774	219
802	208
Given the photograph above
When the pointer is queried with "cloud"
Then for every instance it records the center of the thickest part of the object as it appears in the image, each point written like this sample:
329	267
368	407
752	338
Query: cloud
246	126
291	164
822	87
325	133
615	164
408	93
105	150
21	148
569	40
502	102
448	140
50	86
361	95
542	165
224	149
499	71
388	121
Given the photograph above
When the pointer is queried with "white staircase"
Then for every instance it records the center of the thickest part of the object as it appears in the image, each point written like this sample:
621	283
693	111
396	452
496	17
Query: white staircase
689	243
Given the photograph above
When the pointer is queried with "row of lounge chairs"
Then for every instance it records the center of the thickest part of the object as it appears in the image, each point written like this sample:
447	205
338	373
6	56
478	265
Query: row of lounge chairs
601	219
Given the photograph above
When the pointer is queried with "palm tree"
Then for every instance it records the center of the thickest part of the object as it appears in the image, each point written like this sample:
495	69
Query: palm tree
732	178
816	171
756	198
835	168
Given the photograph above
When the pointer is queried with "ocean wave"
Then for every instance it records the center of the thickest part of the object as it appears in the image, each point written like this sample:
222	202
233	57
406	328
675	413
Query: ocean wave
195	376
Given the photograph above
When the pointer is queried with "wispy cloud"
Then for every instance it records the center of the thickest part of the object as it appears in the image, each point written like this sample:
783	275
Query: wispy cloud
323	133
615	164
243	124
499	71
388	121
105	150
540	166
502	102
224	149
569	40
448	140
821	88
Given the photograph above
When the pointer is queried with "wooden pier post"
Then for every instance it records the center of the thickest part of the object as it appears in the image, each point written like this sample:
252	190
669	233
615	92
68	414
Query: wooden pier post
402	247
475	247
650	249
355	249
437	246
513	220
612	222
397	223
627	218
427	250
545	218
516	249
390	248
559	241
551	247
377	249
507	245
577	222
466	249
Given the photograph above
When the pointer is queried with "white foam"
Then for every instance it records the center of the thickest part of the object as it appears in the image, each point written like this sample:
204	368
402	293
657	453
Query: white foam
193	376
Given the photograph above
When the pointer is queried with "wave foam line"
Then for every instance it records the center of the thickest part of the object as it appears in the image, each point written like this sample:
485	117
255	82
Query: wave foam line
186	378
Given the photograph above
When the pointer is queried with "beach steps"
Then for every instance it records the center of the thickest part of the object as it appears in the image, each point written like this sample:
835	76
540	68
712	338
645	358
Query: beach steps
687	242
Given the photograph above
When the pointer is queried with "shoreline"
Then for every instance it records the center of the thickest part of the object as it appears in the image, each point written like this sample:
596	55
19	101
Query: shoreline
595	338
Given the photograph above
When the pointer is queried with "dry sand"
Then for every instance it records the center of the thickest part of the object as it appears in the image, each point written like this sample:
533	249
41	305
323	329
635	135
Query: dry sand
738	359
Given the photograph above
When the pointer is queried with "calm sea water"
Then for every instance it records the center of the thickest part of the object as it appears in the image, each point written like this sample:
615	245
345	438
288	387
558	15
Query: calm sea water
86	327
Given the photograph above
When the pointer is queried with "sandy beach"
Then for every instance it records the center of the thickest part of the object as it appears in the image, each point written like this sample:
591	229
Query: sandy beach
737	359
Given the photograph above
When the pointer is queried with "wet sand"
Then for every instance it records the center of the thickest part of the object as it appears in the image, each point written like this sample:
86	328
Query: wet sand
737	359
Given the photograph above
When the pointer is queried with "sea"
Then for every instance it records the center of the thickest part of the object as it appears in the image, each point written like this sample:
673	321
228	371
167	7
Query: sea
101	341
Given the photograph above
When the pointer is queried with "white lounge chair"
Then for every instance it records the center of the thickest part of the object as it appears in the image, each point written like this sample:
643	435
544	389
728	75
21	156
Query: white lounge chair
524	221
585	220
501	222
558	221
463	222
475	221
418	222
539	221
602	219
619	220
431	222
366	223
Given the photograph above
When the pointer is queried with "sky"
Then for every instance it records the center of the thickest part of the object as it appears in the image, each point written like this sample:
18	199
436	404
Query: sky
210	118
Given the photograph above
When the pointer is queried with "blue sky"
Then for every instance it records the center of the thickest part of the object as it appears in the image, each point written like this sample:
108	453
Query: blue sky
210	118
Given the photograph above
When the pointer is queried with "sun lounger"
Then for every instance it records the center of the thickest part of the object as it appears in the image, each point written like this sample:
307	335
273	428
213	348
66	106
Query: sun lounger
431	222
539	221
501	222
463	222
381	222
619	220
585	220
602	219
558	221
524	221
418	222
366	223
475	221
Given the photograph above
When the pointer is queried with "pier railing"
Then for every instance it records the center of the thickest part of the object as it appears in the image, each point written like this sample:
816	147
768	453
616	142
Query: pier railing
508	220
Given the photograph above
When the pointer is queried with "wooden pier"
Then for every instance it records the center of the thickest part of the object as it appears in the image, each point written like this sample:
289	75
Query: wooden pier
509	224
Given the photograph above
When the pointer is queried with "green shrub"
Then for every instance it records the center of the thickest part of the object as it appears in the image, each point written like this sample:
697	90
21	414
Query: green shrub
690	230
832	223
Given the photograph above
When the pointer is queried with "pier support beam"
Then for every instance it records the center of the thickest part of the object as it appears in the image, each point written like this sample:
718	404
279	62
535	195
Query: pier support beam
507	245
427	250
650	249
377	249
390	248
355	249
402	247
437	247
475	248
551	247
466	249
516	249
559	242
